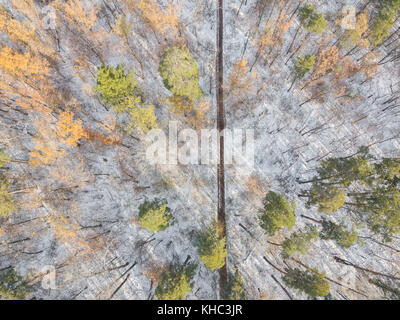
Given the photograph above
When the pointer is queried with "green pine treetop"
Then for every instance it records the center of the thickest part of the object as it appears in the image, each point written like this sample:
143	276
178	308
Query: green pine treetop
349	38
384	21
278	213
338	232
367	186
4	158
234	288
212	248
389	171
303	65
180	73
154	215
121	92
114	86
310	281
7	205
311	20
176	282
328	198
12	286
299	241
382	211
344	171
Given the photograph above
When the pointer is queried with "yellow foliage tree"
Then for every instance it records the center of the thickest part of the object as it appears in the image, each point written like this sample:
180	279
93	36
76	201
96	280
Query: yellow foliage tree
81	14
160	20
327	61
64	228
46	149
198	121
193	113
69	130
142	118
24	81
23	65
369	64
17	31
123	27
362	28
240	80
347	68
179	105
28	32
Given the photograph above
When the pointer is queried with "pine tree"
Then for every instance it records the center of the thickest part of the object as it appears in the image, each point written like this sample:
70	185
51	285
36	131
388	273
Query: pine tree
302	66
328	198
349	38
352	37
175	283
310	281
121	92
311	20
384	21
299	242
154	215
141	118
114	86
381	210
12	286
212	248
4	158
370	186
278	213
343	171
180	73
338	233
389	170
7	205
234	288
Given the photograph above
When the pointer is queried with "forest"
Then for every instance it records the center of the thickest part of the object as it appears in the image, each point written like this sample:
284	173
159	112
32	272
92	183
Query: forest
84	214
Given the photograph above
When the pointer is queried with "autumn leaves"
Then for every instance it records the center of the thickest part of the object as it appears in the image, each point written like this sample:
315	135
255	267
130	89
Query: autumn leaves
50	143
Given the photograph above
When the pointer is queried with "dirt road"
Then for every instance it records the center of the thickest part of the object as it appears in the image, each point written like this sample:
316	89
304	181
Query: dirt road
221	127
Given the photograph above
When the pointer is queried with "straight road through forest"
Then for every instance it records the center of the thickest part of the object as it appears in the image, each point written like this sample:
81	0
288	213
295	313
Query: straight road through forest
220	128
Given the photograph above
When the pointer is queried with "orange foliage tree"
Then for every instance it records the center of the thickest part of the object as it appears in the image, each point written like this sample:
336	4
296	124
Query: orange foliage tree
50	142
25	69
23	65
158	19
46	149
81	14
69	130
241	80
